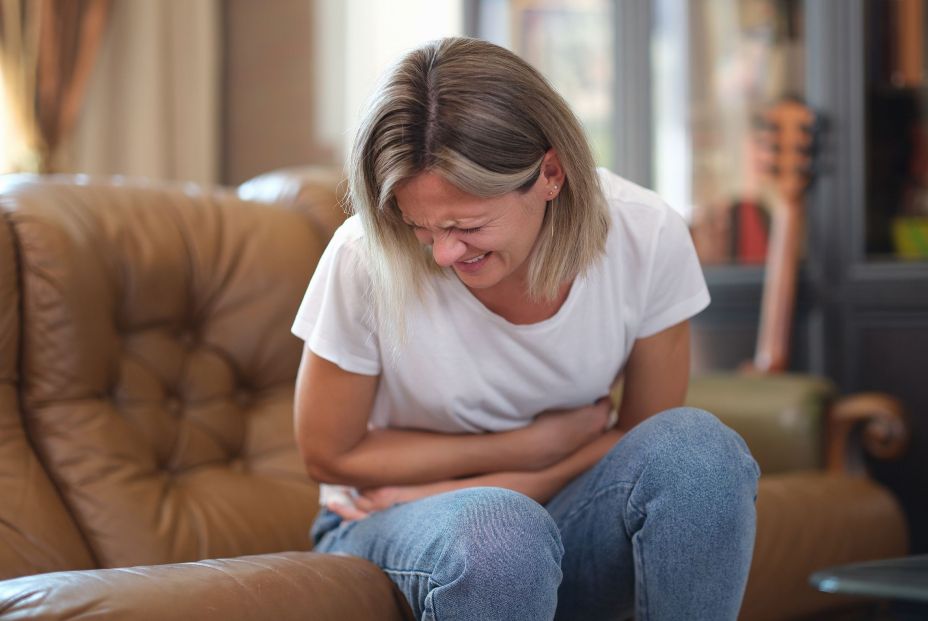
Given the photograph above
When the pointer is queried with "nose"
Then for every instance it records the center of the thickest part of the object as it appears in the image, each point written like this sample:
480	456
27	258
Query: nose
446	249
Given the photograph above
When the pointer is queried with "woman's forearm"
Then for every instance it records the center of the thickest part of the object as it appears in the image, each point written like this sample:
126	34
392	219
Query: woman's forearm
540	485
543	485
406	457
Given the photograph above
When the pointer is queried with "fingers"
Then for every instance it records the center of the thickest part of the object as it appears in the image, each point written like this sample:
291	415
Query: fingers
611	409
346	512
613	418
366	504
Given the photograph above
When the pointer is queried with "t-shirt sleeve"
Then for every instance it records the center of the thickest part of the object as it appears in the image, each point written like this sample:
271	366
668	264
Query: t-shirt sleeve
334	317
676	288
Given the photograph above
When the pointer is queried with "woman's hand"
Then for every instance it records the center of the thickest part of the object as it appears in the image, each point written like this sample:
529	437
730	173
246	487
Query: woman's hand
558	433
379	498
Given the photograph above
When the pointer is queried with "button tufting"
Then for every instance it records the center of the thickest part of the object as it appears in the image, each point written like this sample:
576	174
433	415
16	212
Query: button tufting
187	338
242	399
173	405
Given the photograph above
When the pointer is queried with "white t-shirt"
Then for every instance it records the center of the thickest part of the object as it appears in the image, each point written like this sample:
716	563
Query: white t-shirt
466	369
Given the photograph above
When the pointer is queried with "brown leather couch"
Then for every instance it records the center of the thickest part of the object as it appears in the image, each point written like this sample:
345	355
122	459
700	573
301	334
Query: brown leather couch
146	386
146	393
816	506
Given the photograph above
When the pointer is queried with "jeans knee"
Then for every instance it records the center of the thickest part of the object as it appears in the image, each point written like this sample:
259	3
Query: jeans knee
695	446
500	539
495	520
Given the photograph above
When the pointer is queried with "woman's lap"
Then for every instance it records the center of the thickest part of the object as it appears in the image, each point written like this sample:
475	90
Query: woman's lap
691	477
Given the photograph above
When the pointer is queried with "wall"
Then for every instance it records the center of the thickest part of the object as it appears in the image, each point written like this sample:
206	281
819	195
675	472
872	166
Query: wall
269	95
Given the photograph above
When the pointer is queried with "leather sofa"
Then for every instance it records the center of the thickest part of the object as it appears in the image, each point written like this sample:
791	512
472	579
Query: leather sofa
147	462
816	505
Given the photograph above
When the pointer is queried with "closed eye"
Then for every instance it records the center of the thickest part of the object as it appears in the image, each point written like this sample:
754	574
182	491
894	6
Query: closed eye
469	231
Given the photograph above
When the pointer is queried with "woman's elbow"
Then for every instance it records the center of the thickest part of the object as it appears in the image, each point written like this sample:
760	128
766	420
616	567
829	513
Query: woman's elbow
319	473
318	465
325	468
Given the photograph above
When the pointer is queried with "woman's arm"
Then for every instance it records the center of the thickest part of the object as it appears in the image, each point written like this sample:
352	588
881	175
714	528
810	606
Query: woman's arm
540	485
656	374
332	407
656	377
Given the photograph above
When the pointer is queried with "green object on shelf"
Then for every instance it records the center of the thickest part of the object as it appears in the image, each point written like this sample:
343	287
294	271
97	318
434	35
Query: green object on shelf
910	236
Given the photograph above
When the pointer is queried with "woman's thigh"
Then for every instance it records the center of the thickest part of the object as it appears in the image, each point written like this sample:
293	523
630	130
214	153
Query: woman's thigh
484	553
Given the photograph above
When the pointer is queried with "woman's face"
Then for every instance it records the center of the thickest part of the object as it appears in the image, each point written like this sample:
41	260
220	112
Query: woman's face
487	241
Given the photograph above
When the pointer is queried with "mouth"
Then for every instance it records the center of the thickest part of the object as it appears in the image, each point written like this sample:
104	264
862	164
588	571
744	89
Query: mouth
473	264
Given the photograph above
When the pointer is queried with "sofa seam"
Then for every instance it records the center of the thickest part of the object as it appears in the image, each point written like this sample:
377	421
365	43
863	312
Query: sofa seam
19	268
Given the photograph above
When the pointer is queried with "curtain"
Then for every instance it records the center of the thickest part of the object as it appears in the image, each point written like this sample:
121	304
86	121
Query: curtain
152	106
47	53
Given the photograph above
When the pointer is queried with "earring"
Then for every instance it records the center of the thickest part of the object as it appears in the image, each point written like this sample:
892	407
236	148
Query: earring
551	193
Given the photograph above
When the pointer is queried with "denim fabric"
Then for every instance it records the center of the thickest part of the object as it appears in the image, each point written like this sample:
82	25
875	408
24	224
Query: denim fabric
661	528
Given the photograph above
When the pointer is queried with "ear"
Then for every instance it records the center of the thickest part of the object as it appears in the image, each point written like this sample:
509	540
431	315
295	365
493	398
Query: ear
552	175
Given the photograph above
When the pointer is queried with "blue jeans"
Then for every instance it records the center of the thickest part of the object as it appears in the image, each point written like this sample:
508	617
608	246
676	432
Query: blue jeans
662	528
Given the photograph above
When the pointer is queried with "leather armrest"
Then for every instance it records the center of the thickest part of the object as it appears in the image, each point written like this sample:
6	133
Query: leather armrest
317	191
289	585
872	423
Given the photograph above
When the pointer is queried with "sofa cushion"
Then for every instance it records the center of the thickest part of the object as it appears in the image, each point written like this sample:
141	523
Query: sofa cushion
36	532
158	365
807	521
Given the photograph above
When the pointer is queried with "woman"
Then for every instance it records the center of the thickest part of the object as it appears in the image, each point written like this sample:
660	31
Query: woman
463	331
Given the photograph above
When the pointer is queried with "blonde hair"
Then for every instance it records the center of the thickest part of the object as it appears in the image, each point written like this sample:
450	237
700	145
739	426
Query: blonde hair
483	119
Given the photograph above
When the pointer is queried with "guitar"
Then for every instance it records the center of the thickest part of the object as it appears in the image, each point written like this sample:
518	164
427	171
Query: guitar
785	144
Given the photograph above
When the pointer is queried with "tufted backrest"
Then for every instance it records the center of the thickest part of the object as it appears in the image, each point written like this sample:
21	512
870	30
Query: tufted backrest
158	366
36	532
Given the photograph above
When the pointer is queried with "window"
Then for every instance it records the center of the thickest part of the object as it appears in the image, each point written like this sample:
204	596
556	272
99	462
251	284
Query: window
6	131
571	43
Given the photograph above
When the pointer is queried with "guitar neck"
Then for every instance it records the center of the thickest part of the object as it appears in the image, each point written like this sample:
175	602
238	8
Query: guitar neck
779	294
786	150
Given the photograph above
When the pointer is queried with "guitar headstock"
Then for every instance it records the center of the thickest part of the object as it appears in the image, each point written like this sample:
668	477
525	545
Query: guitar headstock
786	137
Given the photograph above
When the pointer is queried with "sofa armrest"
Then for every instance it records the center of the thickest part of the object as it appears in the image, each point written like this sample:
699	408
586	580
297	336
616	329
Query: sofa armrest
865	423
289	585
807	521
781	417
317	191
